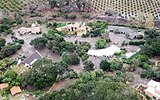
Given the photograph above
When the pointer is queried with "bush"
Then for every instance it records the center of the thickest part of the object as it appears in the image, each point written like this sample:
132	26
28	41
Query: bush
105	65
71	59
9	49
88	65
144	74
100	43
20	41
2	42
85	16
73	16
137	43
39	43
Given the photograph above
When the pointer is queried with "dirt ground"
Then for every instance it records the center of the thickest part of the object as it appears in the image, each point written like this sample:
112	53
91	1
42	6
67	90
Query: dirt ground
61	85
137	78
28	50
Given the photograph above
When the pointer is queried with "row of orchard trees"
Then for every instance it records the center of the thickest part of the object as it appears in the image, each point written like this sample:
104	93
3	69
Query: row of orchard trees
78	5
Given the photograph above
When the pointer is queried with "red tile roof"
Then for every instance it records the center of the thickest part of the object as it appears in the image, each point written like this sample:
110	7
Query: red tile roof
15	90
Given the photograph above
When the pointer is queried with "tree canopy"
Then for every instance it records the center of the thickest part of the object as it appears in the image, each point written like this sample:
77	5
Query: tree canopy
39	42
44	73
152	46
100	43
94	88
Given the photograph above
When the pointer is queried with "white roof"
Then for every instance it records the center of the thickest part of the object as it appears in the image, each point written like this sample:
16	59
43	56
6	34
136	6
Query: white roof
152	83
152	91
153	88
128	55
104	52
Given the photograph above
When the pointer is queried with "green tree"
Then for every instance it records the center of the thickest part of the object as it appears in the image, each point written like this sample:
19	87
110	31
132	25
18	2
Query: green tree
9	49
88	65
94	90
105	65
52	3
44	73
71	59
100	43
2	42
39	42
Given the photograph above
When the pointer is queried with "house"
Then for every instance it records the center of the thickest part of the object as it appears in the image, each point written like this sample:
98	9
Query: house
78	28
28	62
31	30
15	90
153	90
4	86
107	52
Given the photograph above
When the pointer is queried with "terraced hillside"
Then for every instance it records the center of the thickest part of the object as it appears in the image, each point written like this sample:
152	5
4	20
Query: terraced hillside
19	5
11	5
128	7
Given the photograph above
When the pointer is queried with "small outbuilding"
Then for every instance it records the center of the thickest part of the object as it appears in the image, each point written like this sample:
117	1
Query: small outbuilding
15	90
4	86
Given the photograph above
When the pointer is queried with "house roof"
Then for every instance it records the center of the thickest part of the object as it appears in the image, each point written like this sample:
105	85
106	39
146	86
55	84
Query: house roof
152	83
104	52
31	59
153	88
15	90
4	85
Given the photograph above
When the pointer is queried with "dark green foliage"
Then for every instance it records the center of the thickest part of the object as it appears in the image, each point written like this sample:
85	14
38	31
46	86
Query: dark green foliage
85	16
44	73
105	65
39	43
52	3
98	28
20	41
58	45
73	16
9	49
6	24
137	43
152	46
71	59
88	65
115	65
12	78
152	49
82	50
2	42
91	87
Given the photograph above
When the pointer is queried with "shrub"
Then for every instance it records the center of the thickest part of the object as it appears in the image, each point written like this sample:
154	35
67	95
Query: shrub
71	59
73	16
105	65
85	16
100	43
88	65
137	43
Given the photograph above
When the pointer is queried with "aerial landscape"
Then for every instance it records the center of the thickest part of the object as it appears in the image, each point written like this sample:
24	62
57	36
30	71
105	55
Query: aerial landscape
79	49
